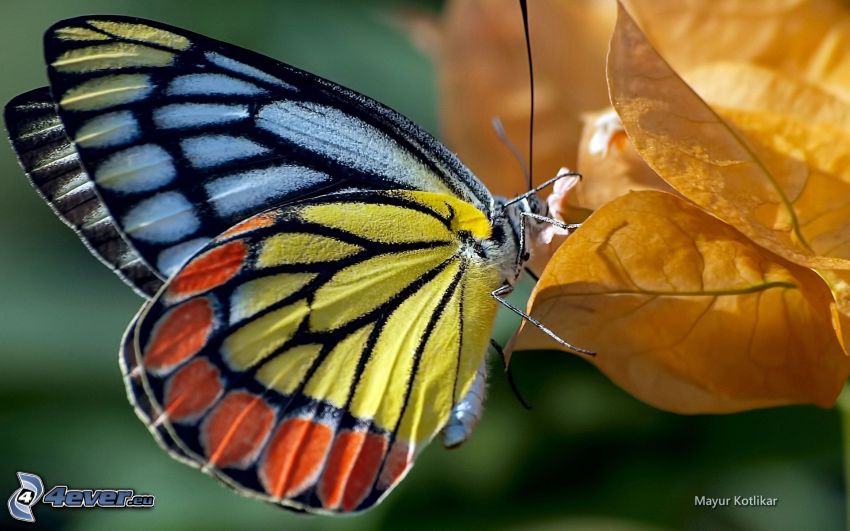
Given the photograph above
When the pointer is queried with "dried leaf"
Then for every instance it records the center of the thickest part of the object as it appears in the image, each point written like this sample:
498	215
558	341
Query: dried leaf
715	164
688	314
483	74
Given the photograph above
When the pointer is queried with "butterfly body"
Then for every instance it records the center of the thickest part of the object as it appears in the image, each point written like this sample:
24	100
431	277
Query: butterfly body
319	270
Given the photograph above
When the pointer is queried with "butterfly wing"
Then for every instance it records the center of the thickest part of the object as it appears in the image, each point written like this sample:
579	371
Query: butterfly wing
53	166
182	136
306	355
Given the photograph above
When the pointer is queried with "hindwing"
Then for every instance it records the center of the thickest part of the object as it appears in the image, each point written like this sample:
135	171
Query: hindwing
306	355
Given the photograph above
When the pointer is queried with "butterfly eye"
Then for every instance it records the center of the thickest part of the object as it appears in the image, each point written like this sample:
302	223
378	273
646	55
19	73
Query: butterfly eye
537	206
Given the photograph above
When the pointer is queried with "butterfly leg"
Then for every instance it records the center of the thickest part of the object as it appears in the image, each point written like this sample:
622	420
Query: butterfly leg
466	413
523	254
506	290
531	273
569	227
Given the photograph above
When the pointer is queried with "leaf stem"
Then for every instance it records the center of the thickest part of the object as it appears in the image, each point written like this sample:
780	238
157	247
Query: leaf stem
843	406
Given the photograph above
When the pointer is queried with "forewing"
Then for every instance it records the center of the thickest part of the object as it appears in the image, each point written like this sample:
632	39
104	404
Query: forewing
308	354
184	136
53	166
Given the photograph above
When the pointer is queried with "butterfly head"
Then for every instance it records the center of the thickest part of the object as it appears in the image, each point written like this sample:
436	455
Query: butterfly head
513	231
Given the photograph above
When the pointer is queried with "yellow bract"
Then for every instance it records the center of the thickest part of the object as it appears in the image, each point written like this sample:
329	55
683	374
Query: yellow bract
736	294
806	39
745	86
696	151
688	314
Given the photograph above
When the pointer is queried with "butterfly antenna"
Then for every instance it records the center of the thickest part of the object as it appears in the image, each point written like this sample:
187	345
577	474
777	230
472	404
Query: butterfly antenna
503	136
561	175
524	8
510	376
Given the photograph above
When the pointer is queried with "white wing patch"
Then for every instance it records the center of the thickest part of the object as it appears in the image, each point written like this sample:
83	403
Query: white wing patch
136	169
252	189
111	129
200	84
342	137
163	218
249	71
184	115
212	150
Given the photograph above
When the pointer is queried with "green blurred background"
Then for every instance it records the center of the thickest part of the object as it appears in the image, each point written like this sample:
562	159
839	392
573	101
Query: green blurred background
588	456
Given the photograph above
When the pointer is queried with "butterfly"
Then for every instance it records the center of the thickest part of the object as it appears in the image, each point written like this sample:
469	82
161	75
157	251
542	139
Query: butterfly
321	275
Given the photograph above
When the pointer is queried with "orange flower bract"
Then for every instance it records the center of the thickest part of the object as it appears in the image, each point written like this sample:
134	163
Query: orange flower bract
725	285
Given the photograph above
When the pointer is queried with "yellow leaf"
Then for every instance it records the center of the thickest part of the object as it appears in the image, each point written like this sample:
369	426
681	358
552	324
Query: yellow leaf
688	314
483	74
754	88
839	284
813	164
807	39
707	159
819	153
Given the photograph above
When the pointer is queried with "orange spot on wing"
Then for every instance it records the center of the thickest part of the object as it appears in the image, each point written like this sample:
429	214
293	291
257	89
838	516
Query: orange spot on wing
209	270
351	469
192	390
294	457
396	465
236	429
179	334
257	222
